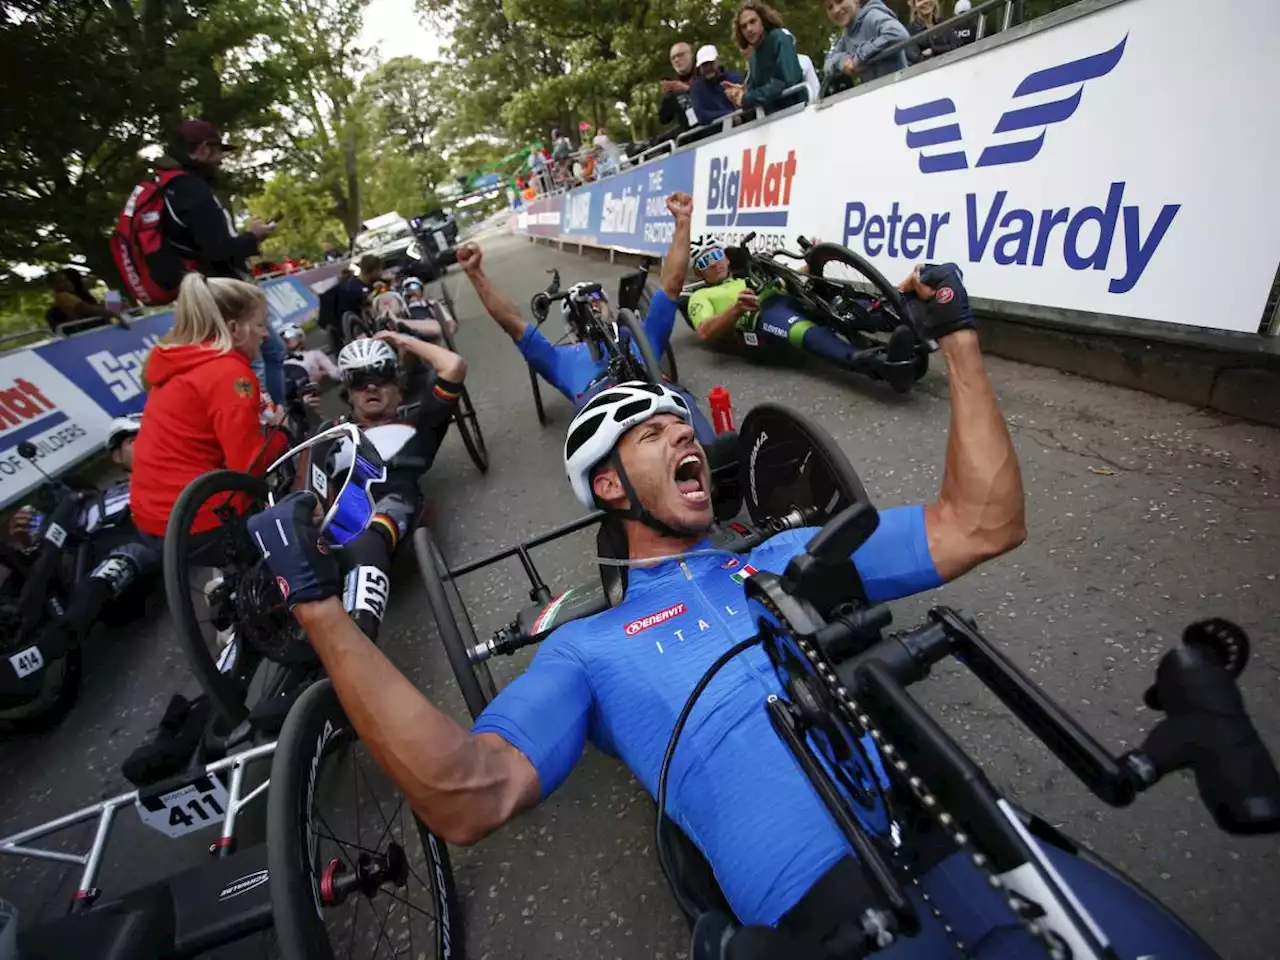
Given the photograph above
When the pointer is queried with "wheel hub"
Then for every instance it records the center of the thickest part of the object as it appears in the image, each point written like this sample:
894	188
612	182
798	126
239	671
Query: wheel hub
338	880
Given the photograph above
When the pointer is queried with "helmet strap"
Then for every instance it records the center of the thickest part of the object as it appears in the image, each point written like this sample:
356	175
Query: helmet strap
638	511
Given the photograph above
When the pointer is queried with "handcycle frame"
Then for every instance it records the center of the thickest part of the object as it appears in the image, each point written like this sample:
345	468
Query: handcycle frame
585	327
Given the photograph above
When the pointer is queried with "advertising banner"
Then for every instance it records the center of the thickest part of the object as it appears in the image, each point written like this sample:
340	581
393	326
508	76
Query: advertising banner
290	300
540	218
1044	167
629	211
39	404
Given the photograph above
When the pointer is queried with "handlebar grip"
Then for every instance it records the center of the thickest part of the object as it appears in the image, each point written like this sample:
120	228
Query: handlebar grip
746	241
1208	729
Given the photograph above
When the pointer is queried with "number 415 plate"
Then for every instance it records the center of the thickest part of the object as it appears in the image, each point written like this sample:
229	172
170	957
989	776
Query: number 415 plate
198	805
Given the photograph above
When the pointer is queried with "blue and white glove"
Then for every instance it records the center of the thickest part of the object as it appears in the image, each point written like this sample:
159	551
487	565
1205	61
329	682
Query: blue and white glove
949	309
303	563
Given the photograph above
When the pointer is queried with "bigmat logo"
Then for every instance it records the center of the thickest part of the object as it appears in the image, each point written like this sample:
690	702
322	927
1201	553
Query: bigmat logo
25	412
653	619
754	192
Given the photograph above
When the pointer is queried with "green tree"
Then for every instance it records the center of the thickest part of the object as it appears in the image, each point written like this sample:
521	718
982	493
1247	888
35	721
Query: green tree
90	85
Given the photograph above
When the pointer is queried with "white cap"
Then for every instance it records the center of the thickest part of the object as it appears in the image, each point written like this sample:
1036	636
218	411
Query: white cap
963	6
706	54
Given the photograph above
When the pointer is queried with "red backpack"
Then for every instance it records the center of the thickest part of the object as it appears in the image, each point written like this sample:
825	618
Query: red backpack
138	242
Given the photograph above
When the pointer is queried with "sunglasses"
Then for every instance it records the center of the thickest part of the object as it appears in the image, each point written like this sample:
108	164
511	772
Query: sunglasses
348	504
708	258
359	379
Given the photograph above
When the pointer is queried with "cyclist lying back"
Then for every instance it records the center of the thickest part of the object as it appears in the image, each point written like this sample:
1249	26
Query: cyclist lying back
621	677
570	367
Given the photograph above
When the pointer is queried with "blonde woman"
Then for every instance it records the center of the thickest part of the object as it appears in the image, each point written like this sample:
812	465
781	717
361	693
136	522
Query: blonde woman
204	410
925	15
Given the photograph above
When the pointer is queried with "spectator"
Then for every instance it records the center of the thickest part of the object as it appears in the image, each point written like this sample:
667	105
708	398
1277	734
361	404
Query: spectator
709	100
608	157
199	227
71	301
924	16
676	109
869	27
561	146
316	362
772	66
331	253
966	32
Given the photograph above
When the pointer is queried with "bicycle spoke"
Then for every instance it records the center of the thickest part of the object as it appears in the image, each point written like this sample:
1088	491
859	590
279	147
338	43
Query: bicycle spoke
351	944
405	901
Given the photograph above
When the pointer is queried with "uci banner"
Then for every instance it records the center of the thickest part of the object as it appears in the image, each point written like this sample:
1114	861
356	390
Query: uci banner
629	211
1080	167
107	363
39	404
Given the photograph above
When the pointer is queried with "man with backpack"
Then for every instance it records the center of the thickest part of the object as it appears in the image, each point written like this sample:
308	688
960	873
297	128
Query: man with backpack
175	223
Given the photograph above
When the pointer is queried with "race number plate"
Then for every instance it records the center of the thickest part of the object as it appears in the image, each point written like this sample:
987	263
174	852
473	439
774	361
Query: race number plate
27	662
185	810
441	243
751	339
56	535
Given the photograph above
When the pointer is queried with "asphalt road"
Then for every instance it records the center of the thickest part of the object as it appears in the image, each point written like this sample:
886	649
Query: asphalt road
1143	515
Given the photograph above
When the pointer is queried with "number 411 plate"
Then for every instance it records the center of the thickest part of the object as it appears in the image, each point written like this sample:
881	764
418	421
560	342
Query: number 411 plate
198	805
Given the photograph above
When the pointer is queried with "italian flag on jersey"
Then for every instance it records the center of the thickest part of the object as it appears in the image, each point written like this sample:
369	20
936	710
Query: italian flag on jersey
741	575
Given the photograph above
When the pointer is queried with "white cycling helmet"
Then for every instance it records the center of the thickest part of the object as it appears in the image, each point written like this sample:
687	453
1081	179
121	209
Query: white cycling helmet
291	331
121	428
390	306
598	426
579	292
367	354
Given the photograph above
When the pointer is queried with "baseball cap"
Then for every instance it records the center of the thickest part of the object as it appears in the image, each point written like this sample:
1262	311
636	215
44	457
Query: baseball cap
706	54
195	132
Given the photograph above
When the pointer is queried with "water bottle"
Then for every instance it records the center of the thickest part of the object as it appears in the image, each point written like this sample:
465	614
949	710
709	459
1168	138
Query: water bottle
721	410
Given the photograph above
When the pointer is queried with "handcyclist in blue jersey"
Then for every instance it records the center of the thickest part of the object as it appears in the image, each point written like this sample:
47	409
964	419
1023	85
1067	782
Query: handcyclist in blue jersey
621	677
570	367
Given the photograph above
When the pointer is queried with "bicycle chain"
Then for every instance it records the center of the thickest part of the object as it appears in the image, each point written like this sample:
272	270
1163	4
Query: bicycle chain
859	720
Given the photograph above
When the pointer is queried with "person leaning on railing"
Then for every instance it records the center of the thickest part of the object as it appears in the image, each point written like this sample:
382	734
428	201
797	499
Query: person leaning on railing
925	15
773	66
869	27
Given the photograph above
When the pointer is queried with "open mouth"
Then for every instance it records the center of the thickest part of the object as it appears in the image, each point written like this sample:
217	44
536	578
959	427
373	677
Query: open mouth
689	479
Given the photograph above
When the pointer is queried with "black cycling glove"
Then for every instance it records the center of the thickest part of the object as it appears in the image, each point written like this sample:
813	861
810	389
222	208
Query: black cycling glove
303	563
949	309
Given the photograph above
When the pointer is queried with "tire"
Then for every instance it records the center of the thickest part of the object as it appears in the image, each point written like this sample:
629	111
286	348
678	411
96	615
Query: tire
465	418
668	365
354	326
652	371
458	636
537	398
315	747
229	692
820	254
59	680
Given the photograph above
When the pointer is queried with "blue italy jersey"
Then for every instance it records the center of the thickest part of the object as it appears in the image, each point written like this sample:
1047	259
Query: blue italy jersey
621	678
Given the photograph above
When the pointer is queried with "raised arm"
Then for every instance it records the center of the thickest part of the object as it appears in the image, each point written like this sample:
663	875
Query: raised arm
675	268
463	786
447	364
499	306
979	513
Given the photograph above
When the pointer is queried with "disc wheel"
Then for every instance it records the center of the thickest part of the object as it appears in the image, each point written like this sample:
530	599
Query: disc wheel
465	416
475	682
232	624
353	872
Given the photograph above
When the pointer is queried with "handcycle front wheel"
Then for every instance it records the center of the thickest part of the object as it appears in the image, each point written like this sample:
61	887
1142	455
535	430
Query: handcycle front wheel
350	865
355	327
225	605
57	685
651	371
465	417
840	267
454	623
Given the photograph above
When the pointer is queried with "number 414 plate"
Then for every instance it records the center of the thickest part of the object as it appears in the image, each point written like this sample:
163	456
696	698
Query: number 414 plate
198	805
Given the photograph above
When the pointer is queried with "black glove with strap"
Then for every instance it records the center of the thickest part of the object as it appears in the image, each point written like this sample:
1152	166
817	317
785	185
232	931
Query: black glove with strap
948	310
301	560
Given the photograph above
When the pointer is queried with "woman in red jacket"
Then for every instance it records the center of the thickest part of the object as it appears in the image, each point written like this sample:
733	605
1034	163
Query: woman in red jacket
204	409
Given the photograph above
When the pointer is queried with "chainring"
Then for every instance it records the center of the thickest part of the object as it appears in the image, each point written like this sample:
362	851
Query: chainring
852	762
263	621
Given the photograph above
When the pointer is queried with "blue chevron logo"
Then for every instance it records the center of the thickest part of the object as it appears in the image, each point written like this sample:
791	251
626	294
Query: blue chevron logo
936	123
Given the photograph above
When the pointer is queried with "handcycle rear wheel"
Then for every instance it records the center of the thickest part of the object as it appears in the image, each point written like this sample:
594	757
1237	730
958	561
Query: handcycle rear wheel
465	417
537	397
222	622
454	623
339	833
